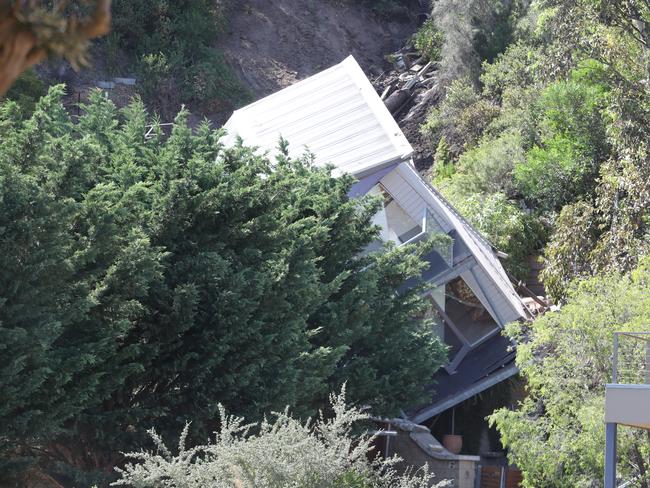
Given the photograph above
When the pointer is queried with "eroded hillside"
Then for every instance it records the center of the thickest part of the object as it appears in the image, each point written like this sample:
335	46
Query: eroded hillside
271	44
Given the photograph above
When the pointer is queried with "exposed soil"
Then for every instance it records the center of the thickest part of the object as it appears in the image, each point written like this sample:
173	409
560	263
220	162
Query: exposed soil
271	44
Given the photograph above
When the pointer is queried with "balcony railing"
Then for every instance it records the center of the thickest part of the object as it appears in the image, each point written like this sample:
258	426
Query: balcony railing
627	397
631	358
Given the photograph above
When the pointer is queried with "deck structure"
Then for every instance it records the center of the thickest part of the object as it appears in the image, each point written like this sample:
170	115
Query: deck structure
627	397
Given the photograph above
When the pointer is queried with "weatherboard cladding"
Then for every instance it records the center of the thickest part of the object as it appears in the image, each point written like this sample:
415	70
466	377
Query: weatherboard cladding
402	192
488	278
335	114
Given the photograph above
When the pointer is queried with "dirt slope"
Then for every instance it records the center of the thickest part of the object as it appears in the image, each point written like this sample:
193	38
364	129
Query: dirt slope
270	44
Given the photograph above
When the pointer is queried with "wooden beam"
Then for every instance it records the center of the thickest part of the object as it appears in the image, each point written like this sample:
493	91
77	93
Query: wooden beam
527	291
450	323
478	291
458	358
454	272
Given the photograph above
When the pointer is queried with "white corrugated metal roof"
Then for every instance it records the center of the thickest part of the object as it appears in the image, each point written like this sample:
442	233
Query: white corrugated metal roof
335	114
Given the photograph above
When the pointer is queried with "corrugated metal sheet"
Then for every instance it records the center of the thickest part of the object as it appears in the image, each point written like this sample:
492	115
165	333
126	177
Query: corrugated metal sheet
335	114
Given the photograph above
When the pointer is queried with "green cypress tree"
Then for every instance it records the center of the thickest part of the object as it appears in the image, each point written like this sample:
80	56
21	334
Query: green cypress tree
151	278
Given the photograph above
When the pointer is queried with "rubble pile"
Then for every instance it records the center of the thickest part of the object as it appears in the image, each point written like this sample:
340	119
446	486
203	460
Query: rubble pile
409	90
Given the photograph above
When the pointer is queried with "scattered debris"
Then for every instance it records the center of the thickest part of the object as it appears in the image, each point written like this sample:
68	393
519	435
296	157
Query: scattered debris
409	91
152	129
106	85
109	85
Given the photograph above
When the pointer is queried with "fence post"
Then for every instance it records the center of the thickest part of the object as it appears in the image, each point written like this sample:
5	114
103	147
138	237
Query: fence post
615	359
610	455
647	362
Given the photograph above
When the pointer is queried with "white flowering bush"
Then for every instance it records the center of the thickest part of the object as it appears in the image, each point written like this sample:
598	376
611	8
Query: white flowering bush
284	452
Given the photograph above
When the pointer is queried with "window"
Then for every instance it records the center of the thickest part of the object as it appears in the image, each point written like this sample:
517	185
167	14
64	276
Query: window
459	318
469	315
397	226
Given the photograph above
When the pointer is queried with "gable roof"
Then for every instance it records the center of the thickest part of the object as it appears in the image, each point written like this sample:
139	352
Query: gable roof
335	114
476	244
489	364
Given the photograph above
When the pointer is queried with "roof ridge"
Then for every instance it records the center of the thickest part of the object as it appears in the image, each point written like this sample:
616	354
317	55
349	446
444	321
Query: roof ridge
457	214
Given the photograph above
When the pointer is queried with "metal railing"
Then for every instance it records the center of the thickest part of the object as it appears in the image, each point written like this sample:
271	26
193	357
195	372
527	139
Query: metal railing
631	358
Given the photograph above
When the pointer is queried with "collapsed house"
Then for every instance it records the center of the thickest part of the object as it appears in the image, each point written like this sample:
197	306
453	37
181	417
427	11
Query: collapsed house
337	116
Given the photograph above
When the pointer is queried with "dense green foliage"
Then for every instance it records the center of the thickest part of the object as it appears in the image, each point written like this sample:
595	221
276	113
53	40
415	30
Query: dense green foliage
146	280
558	122
473	31
172	46
549	145
26	91
282	452
572	146
428	41
556	436
507	226
461	119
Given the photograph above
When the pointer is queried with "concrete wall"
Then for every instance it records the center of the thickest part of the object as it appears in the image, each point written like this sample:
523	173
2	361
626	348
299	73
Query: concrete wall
417	447
628	405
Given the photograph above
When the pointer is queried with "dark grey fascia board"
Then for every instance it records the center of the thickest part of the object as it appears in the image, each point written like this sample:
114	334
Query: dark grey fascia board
484	384
381	165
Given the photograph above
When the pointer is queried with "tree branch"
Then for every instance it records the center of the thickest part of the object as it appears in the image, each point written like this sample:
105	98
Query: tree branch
20	45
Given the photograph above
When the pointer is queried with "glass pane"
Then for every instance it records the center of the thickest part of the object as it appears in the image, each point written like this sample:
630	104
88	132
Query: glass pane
452	340
467	312
435	297
396	224
432	227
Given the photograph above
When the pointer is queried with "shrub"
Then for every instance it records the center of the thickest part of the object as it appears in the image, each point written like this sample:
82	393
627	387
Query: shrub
156	84
509	228
554	174
557	434
180	36
443	163
461	118
489	166
515	68
212	81
569	254
281	452
573	144
428	40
